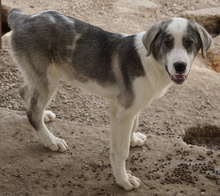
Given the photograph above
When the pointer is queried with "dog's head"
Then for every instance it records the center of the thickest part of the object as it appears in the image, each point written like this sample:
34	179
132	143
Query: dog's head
175	44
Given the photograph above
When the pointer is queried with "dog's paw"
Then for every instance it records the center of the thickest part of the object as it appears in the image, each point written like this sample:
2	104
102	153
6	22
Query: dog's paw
57	144
52	142
49	116
137	139
130	183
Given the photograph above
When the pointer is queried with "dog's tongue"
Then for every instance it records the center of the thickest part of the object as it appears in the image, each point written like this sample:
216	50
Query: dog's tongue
179	79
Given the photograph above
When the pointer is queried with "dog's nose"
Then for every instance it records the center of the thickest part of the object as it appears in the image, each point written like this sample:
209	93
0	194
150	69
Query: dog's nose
180	67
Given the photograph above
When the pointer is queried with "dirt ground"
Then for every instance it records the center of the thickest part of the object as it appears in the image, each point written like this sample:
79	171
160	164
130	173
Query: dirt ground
181	156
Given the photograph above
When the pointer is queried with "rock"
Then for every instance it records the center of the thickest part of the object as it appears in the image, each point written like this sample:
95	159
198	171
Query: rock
213	55
135	6
208	18
4	15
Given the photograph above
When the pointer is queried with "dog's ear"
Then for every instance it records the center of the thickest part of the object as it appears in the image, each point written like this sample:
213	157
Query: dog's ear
149	37
205	39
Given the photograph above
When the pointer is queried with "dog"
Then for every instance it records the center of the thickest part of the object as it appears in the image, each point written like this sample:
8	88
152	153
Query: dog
129	70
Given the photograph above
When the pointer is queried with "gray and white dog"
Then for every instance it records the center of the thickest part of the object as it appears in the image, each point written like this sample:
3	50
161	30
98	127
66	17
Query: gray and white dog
130	70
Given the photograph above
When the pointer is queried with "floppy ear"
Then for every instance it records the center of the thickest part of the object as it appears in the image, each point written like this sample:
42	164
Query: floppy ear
149	37
205	38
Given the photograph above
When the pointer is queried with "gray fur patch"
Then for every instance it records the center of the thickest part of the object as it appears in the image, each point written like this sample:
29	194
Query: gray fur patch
79	50
154	37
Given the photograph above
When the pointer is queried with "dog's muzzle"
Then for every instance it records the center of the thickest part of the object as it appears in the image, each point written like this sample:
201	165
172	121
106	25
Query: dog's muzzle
180	68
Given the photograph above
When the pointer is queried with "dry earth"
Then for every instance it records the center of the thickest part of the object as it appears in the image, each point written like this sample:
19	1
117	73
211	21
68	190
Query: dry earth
181	156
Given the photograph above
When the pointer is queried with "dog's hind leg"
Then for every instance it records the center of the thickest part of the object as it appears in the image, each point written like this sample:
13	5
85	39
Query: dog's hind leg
137	138
24	93
41	92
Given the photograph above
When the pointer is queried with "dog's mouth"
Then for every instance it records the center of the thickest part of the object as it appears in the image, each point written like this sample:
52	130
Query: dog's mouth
178	79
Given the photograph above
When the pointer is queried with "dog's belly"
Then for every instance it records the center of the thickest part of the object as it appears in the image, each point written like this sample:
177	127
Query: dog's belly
108	92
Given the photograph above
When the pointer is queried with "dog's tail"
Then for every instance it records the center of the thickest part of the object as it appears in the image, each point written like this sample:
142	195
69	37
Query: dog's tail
15	18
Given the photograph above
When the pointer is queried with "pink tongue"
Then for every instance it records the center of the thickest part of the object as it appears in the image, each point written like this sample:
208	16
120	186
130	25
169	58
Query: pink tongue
179	79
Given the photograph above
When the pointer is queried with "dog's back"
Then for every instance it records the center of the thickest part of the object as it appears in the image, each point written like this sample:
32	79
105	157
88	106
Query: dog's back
82	52
54	37
39	32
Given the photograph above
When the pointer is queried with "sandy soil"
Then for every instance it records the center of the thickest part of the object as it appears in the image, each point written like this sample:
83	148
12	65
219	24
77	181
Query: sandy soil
181	156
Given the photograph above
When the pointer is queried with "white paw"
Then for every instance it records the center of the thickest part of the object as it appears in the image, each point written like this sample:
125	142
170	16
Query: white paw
137	139
131	182
52	142
58	144
49	116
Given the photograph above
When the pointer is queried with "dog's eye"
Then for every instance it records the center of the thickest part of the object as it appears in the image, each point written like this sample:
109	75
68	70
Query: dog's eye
168	44
188	43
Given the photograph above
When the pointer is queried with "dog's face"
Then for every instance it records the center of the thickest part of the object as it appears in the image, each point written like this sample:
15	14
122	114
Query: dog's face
175	44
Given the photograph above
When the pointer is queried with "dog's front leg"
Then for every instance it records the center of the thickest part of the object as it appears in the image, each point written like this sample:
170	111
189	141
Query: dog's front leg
137	138
121	127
